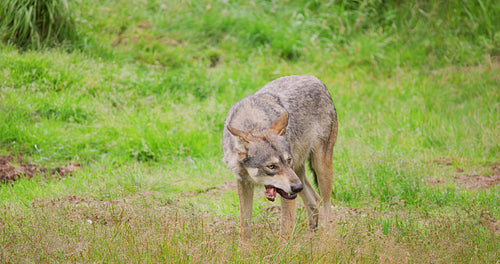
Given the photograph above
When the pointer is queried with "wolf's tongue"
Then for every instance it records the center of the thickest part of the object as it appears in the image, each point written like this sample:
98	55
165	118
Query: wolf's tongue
270	193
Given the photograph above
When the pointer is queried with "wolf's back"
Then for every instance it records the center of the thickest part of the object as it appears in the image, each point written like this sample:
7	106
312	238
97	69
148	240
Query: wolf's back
305	98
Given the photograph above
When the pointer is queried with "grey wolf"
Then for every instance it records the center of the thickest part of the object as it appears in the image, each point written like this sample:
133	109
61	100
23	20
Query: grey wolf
267	139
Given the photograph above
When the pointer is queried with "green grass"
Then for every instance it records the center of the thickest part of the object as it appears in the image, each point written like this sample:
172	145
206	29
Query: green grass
140	101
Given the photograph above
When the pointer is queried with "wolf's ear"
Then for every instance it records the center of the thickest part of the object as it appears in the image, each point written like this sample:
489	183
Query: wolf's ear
236	132
279	126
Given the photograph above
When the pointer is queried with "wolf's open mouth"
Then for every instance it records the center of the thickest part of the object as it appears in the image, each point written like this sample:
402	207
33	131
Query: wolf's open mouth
271	193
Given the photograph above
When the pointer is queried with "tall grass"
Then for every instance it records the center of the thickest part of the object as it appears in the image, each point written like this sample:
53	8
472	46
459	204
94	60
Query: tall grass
35	24
138	229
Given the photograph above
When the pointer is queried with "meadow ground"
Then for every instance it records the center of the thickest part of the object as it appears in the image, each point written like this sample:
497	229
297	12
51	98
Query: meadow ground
110	143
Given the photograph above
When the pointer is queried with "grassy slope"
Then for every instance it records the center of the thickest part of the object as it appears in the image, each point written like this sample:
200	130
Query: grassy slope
141	103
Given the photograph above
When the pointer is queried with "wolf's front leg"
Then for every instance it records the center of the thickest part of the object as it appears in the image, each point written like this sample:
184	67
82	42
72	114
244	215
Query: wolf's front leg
288	208
245	193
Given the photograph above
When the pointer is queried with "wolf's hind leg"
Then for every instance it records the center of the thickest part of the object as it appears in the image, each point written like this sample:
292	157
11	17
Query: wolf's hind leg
321	163
309	197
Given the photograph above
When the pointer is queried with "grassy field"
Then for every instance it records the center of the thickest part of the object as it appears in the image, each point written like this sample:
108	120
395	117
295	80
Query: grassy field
135	105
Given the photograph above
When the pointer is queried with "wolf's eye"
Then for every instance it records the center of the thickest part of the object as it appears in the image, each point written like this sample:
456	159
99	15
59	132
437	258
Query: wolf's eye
289	160
272	166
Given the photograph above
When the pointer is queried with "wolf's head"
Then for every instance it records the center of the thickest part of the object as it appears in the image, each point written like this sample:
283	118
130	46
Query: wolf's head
268	160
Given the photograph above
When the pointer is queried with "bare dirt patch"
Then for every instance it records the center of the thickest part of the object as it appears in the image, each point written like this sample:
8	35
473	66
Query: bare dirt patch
468	181
12	169
480	181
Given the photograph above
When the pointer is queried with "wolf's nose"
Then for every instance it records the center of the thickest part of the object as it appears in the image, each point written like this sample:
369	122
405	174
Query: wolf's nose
296	188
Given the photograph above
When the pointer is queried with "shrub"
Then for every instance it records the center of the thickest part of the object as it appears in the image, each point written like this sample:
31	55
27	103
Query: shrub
34	24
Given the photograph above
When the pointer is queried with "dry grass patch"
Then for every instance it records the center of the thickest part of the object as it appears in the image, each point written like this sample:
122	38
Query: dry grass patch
141	229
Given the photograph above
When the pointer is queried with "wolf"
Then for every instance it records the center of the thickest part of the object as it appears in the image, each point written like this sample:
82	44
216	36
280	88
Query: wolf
267	139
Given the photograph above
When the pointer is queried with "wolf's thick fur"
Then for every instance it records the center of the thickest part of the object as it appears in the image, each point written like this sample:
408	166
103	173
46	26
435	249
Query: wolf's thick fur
268	137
